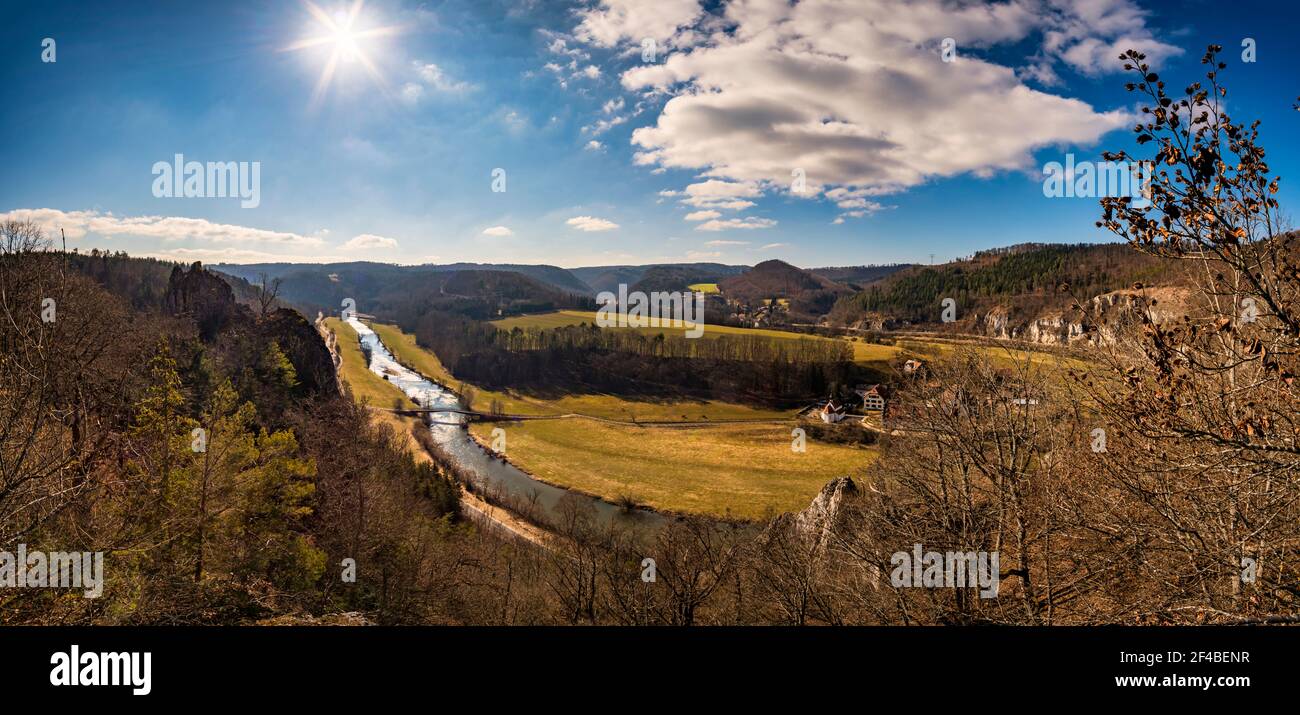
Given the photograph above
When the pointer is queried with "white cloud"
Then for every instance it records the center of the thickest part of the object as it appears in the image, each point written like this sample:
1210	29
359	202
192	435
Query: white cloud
714	194
738	223
613	20
855	93
78	224
702	215
559	45
593	145
1090	35
429	76
591	223
713	189
590	72
498	231
513	121
369	241
772	246
235	255
726	243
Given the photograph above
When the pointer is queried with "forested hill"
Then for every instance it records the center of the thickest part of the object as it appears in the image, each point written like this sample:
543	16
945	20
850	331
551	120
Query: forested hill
1027	278
384	289
202	445
858	276
608	278
371	273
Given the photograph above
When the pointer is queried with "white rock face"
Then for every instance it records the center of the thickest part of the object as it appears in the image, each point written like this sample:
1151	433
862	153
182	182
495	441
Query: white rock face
1105	312
822	516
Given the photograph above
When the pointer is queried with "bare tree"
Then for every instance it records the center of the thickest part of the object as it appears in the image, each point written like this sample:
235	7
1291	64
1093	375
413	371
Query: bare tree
21	236
1208	435
267	291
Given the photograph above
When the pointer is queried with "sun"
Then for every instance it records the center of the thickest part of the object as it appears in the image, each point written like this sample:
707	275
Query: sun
346	34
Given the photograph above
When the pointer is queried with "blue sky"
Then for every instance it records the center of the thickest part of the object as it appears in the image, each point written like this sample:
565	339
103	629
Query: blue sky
608	158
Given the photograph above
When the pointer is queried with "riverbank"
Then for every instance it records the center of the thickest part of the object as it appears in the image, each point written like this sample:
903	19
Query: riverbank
367	387
473	506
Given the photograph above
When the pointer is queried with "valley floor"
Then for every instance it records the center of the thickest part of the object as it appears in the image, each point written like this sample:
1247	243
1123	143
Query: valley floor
743	467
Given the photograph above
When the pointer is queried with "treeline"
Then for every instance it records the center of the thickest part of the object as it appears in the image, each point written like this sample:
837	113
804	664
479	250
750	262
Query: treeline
1037	276
588	357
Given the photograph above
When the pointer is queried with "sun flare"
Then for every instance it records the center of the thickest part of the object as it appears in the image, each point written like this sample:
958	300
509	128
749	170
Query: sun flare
346	35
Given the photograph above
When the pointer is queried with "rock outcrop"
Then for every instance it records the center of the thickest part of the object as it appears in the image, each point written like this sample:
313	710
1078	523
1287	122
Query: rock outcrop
1106	316
305	348
208	300
203	296
816	524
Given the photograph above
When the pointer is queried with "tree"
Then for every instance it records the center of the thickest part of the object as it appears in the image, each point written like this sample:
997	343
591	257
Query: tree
224	466
266	294
1206	432
21	236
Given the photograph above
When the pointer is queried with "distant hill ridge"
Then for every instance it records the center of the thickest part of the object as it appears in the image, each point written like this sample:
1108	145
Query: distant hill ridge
777	279
1025	279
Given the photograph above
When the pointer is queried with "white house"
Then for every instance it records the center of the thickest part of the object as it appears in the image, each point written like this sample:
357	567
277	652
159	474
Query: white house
873	397
832	413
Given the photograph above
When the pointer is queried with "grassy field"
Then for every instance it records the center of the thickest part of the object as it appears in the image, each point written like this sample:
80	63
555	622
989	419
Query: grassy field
744	471
862	352
736	469
727	468
403	347
703	287
367	387
612	407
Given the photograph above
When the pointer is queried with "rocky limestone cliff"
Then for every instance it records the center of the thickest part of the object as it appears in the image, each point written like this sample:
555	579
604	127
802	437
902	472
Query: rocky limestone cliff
1107	313
207	299
203	296
818	522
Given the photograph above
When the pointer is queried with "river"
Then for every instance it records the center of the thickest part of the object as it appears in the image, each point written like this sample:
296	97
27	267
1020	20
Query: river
450	433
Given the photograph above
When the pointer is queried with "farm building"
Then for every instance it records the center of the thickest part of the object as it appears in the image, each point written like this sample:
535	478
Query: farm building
873	397
831	412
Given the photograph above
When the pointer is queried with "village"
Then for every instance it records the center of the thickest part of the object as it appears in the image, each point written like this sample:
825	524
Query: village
877	407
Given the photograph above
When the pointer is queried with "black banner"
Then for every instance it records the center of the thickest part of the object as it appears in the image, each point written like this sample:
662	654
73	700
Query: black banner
536	665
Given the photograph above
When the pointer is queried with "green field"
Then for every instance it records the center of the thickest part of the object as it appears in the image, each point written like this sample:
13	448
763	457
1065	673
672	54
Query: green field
738	470
367	387
1007	354
862	352
703	287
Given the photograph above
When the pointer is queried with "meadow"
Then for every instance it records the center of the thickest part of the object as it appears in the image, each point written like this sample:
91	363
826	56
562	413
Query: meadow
737	469
744	471
367	387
